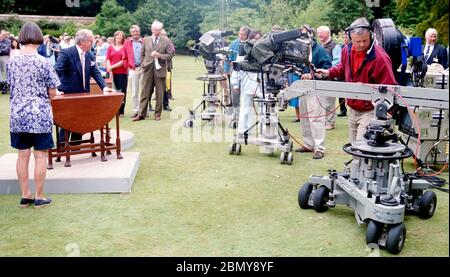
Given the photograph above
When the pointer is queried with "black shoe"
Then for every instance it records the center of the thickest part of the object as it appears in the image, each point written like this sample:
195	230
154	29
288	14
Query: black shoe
40	203
25	202
296	120
342	114
151	109
167	109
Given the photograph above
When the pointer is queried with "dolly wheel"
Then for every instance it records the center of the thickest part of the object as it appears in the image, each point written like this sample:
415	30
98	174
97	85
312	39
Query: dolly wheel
427	204
321	198
373	233
189	123
234	125
396	238
282	157
304	194
232	148
237	149
289	158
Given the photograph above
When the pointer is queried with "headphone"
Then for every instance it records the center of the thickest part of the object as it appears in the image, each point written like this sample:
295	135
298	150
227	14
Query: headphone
364	26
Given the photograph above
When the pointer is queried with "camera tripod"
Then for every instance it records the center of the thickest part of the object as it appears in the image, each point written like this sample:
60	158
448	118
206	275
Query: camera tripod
212	106
271	135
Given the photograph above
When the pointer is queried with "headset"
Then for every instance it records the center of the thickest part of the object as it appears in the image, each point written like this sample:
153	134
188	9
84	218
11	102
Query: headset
365	26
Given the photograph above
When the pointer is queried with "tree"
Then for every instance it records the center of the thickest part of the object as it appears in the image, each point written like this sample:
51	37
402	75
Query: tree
180	28
111	18
344	12
421	15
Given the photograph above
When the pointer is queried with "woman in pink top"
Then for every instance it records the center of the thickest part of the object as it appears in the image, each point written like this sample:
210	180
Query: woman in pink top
117	63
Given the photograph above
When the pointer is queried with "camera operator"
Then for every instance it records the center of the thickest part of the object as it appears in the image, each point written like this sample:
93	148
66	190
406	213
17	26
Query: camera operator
312	113
244	31
248	85
362	61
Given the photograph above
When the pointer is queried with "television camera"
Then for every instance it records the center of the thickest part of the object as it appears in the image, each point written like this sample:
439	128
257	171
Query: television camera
273	57
212	48
373	183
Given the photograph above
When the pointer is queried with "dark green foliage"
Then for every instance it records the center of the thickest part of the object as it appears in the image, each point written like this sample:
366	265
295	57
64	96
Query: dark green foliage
186	20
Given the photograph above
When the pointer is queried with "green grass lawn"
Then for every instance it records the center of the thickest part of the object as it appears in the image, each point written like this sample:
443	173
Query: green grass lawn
191	198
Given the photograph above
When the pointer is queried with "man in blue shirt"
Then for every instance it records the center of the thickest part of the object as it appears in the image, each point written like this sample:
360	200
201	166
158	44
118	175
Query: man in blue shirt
244	31
133	46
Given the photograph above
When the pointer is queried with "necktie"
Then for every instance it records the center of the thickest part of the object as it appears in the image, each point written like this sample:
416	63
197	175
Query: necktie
83	67
427	54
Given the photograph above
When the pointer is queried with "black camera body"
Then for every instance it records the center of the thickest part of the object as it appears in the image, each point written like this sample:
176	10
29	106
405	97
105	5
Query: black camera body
210	47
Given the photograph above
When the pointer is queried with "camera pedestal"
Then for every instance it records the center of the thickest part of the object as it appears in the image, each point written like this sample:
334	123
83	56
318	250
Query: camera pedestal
271	135
211	107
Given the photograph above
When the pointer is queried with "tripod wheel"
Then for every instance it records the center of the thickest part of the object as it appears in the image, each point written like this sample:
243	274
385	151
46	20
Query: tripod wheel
289	158
189	123
232	148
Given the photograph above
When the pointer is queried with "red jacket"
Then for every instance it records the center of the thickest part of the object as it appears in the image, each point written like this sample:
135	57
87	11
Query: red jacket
128	45
375	69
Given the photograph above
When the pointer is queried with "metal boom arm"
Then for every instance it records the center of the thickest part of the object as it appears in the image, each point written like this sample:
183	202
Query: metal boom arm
413	96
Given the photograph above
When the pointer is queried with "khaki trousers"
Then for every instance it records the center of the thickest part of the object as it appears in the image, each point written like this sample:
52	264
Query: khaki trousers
149	82
357	123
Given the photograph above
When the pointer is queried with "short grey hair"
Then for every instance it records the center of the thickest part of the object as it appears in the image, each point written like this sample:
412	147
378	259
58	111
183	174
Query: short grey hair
362	21
135	27
246	29
157	25
83	35
430	31
324	29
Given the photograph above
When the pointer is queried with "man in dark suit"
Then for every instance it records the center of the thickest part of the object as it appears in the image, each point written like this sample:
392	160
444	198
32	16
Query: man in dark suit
432	52
75	66
156	51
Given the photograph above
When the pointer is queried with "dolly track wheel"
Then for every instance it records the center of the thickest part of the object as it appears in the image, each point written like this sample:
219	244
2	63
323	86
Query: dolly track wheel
321	198
396	238
304	194
373	233
427	204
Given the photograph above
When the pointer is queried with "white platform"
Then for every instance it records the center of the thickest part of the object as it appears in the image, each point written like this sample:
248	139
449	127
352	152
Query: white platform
86	175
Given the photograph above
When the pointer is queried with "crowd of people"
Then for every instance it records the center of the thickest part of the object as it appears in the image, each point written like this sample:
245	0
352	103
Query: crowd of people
37	67
358	59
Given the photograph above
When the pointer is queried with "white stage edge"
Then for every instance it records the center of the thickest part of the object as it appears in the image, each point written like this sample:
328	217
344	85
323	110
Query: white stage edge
86	175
